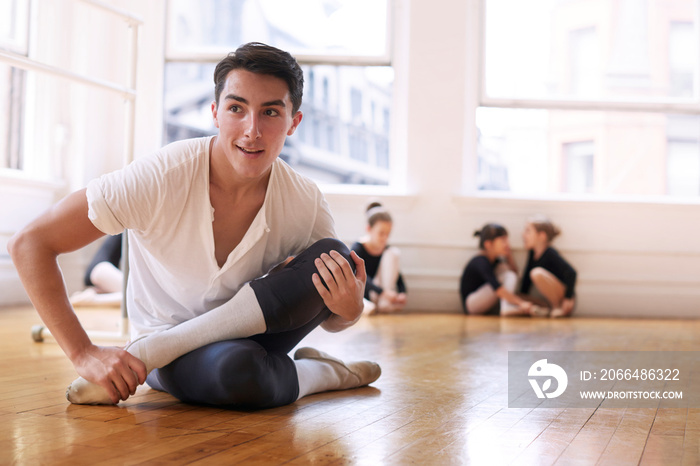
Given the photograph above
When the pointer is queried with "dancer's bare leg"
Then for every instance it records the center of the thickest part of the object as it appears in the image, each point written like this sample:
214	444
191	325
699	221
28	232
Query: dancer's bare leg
551	289
482	300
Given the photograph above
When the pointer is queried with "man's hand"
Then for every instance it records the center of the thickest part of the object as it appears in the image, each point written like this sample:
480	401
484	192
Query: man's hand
345	288
113	369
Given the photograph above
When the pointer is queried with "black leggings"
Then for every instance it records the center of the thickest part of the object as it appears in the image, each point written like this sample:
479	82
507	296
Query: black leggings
256	372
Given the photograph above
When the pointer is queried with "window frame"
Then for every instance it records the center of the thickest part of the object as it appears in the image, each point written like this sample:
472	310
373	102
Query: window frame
679	106
668	105
385	59
41	167
394	8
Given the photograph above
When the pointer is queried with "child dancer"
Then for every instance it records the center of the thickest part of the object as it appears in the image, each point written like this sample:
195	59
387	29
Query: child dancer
385	289
548	278
488	284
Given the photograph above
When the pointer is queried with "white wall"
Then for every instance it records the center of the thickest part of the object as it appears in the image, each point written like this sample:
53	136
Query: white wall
633	259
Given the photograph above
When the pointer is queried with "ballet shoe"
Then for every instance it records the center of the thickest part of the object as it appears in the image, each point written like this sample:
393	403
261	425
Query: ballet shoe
83	392
350	375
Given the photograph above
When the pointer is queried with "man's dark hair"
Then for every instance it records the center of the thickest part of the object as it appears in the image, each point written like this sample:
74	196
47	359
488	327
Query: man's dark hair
262	59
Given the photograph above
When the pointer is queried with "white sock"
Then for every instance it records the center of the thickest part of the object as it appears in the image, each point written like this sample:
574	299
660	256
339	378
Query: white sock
239	317
317	376
320	372
309	373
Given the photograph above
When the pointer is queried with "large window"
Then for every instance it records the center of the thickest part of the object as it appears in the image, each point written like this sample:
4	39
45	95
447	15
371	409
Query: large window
344	135
14	25
63	99
590	97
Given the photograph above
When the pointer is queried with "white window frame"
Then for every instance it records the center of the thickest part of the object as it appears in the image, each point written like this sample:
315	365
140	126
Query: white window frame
20	42
680	106
477	97
387	58
127	90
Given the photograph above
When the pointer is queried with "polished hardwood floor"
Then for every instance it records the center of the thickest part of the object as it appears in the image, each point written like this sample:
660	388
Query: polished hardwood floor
442	400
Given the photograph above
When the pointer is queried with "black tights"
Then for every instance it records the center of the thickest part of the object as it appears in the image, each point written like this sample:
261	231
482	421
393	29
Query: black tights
256	372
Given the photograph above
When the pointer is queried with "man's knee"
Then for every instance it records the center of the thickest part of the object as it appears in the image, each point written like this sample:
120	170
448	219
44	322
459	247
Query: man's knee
234	373
249	379
327	245
289	298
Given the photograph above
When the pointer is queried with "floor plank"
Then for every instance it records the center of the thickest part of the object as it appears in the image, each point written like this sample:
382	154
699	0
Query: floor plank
442	399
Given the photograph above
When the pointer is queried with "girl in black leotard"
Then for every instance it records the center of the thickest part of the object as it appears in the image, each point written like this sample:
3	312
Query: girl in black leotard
548	278
489	279
385	288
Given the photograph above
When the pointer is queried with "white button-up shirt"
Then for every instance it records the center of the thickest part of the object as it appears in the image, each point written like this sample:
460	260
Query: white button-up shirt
163	201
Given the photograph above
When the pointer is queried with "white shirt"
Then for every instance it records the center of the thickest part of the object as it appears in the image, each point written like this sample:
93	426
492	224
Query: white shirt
163	201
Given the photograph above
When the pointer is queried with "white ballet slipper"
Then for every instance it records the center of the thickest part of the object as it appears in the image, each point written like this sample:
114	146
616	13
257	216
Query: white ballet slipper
83	392
350	375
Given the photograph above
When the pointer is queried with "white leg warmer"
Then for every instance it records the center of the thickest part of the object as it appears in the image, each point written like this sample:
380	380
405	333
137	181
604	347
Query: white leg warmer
239	317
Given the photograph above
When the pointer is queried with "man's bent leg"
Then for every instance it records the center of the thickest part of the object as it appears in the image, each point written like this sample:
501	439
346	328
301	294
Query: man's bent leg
233	373
254	372
288	298
279	302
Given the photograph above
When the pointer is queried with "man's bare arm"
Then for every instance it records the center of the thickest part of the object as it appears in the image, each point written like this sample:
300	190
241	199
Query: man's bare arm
34	250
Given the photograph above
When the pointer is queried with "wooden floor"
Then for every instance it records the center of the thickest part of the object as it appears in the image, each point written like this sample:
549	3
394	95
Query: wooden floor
442	399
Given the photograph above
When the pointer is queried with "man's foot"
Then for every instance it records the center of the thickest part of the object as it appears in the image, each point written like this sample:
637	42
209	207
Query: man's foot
350	375
82	392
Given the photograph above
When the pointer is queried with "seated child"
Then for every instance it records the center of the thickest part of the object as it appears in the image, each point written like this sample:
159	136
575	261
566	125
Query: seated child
385	289
548	278
488	283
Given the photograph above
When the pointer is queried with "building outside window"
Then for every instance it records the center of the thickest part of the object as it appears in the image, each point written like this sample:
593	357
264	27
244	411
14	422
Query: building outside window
621	75
340	140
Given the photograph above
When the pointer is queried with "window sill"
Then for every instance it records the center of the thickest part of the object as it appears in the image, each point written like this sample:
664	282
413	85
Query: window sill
352	196
578	199
18	178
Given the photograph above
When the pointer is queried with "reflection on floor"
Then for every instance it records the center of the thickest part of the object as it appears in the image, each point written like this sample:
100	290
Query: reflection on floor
442	399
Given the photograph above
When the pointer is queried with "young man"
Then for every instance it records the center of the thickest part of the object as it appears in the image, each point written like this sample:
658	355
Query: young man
207	218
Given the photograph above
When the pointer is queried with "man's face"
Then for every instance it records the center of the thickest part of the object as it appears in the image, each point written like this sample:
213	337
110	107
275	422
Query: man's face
254	117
